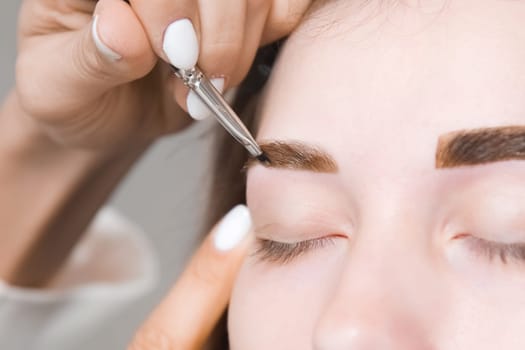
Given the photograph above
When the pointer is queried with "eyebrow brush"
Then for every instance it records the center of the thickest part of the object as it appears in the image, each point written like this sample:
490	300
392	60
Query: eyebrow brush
212	98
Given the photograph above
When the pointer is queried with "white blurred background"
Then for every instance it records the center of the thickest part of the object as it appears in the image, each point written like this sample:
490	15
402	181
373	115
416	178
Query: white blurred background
165	194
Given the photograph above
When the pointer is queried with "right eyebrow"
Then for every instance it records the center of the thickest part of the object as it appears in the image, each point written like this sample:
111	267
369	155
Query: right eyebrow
295	155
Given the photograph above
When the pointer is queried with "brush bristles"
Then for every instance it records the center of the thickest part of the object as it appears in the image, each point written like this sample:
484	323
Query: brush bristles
263	158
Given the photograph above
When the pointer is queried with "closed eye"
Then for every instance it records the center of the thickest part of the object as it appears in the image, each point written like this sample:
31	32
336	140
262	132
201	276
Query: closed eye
283	253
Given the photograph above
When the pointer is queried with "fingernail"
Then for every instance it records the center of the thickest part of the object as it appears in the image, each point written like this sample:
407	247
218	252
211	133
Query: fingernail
196	108
181	45
230	95
233	228
101	46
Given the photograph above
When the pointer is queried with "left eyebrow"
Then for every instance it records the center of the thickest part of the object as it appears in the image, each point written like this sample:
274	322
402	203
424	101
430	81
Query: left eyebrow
480	146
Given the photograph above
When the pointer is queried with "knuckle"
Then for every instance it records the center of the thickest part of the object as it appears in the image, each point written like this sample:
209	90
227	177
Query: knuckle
87	64
289	13
153	338
28	89
30	103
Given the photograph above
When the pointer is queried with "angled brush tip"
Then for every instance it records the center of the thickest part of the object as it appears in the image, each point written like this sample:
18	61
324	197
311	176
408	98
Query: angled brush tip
263	158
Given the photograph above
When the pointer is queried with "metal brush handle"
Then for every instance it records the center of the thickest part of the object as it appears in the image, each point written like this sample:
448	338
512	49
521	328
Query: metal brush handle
211	97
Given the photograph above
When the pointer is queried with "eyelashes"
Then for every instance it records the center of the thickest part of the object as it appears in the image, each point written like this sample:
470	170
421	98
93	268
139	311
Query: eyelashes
283	253
491	250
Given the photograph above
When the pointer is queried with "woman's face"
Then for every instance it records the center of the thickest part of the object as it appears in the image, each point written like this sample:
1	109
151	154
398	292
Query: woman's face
387	251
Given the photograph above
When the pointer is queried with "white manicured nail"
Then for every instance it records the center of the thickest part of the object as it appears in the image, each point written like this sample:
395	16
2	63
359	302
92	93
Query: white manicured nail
181	45
101	46
233	228
230	95
196	108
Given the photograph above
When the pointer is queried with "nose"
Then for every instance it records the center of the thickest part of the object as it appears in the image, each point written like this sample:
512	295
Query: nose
369	327
382	300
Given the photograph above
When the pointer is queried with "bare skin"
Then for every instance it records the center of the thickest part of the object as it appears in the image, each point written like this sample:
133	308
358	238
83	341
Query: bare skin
77	120
402	255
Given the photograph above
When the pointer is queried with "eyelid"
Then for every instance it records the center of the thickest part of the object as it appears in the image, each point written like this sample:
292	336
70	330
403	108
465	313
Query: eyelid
306	229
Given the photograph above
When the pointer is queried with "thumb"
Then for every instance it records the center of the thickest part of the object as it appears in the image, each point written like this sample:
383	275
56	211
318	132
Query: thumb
187	315
122	47
77	67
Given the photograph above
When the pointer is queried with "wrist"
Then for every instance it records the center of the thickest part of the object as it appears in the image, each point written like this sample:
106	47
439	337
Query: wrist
50	194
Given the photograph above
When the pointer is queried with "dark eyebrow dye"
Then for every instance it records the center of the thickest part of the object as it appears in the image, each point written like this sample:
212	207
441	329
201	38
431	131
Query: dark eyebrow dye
480	146
294	155
263	158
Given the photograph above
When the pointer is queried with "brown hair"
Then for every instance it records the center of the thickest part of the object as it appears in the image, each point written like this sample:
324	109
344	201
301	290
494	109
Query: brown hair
229	185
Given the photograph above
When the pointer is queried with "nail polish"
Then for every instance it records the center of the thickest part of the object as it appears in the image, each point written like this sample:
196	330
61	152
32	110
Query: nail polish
233	228
181	45
101	46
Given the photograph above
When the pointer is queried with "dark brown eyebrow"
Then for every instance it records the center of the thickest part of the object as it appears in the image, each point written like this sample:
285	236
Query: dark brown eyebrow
295	155
480	146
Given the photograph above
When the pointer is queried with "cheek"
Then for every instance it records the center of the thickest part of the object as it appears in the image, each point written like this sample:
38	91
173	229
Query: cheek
486	303
277	307
485	320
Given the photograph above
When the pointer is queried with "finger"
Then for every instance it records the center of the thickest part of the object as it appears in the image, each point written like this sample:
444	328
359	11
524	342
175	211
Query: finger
188	314
222	35
284	16
222	27
257	13
75	68
173	28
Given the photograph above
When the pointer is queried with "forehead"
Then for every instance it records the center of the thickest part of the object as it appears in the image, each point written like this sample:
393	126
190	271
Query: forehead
382	83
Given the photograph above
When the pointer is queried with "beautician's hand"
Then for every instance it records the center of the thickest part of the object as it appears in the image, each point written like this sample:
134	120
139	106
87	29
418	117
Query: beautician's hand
94	82
188	314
